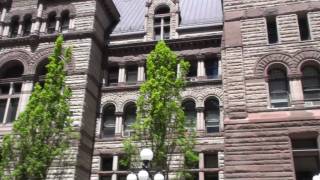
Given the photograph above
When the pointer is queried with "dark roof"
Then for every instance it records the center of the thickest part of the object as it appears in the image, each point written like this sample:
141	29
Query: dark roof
193	13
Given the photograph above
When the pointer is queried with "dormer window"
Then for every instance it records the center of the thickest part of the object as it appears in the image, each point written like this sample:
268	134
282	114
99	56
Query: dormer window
51	24
27	23
14	27
162	23
65	20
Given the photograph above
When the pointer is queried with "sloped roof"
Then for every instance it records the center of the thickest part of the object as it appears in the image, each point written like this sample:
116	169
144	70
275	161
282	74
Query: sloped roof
193	13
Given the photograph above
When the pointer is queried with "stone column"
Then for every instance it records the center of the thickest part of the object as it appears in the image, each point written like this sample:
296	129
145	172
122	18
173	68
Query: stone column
201	70
119	124
141	72
219	66
115	166
20	33
3	14
36	28
57	29
296	92
201	166
122	74
43	26
201	125
26	91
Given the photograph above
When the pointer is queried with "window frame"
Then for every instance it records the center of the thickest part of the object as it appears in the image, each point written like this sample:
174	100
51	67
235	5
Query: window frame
217	121
14	27
110	125
285	92
51	23
303	22
272	30
163	25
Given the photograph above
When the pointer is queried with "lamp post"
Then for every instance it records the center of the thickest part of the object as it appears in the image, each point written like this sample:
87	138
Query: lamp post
316	177
146	156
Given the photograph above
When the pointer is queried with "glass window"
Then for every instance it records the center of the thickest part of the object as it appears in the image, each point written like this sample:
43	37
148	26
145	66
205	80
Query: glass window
211	161
14	27
51	23
113	74
212	115
190	113
162	23
65	20
129	118
306	158
272	29
108	121
10	90
311	83
106	163
132	74
27	23
192	70
304	26
212	66
278	87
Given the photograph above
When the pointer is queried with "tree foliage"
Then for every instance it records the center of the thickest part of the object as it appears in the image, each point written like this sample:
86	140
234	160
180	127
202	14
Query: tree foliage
41	133
160	123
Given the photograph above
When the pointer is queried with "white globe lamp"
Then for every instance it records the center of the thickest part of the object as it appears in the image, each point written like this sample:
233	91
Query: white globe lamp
132	177
158	176
143	175
146	154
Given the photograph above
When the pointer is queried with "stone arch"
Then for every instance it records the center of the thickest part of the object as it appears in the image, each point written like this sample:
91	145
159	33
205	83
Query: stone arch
127	103
155	4
19	55
20	14
41	55
282	58
107	103
59	9
306	55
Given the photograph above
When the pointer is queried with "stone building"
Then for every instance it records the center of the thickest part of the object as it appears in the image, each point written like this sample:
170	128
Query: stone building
253	88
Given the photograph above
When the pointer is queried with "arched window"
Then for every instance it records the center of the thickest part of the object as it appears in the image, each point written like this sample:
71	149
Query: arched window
108	121
311	83
65	20
278	87
14	27
51	23
162	23
41	71
212	115
27	23
10	90
189	108
129	118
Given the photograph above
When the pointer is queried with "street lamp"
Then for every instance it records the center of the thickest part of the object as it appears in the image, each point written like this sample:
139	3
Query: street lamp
146	156
316	177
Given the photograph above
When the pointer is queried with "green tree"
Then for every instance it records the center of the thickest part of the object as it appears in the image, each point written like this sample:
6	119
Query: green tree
42	132
160	123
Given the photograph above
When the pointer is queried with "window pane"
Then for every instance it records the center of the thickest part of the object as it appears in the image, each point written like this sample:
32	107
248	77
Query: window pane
272	29
311	83
12	110
132	74
65	22
157	33
122	177
190	113
51	26
14	28
109	120
304	143
4	89
211	176
212	115
106	163
3	103
113	74
166	33
157	21
278	87
130	117
105	178
211	161
211	66
304	26
193	69
27	26
17	88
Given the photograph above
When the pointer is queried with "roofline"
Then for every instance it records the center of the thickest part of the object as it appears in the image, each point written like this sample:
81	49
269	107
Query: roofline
112	9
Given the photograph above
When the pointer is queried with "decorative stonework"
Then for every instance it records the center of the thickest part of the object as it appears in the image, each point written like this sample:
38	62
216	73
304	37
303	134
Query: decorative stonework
20	14
19	55
58	9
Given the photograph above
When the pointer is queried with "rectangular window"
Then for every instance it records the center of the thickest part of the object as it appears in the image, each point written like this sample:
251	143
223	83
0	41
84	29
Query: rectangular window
211	162
106	163
211	66
304	27
306	158
113	74
272	29
192	70
12	112
132	74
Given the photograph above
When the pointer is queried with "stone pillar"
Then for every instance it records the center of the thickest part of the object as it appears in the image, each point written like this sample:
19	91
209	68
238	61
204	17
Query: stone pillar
71	24
115	166
36	28
119	124
201	70
141	73
43	26
219	66
26	91
122	74
221	124
296	92
201	125
20	33
201	166
57	29
3	14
